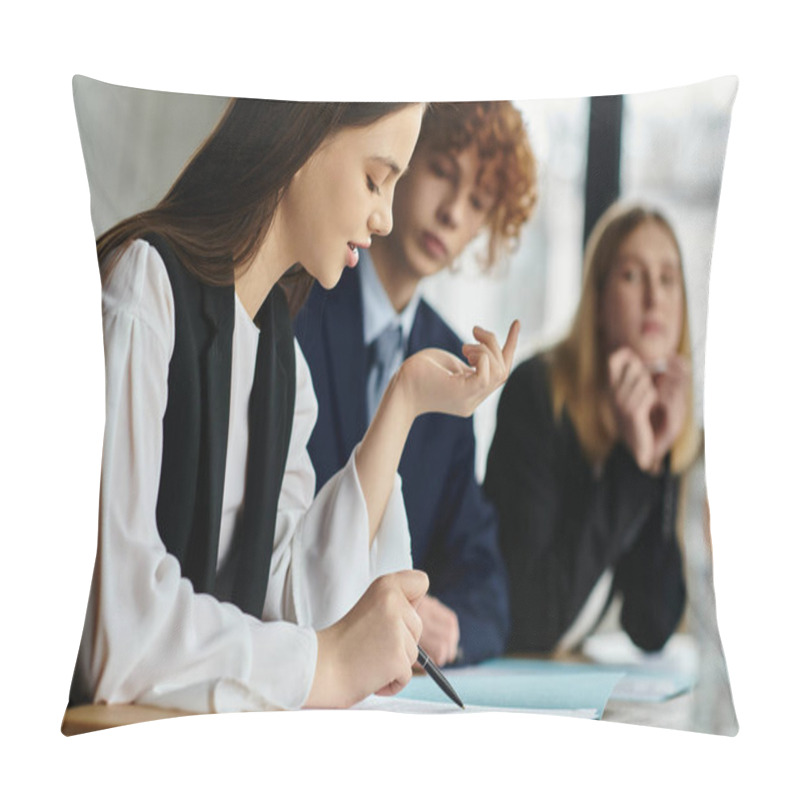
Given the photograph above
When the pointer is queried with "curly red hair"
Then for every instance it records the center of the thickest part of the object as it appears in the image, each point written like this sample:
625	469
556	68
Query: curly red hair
507	161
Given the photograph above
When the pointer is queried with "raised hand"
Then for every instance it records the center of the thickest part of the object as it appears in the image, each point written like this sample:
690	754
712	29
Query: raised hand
440	631
672	404
633	397
430	380
435	380
374	646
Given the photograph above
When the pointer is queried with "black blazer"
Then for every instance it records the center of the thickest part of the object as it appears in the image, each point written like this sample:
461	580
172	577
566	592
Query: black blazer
562	526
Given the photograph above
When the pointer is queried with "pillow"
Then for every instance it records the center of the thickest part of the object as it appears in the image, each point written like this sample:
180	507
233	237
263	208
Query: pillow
662	149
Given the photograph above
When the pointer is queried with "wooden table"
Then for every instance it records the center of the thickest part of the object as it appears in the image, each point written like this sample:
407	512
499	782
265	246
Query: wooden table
84	719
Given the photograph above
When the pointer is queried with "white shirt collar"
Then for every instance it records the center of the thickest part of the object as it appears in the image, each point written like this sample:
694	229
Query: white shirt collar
378	309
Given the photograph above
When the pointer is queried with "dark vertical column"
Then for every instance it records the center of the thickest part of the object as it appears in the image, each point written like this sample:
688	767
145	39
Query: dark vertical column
602	164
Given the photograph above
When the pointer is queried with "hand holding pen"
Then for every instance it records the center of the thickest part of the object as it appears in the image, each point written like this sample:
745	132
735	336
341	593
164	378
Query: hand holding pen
373	647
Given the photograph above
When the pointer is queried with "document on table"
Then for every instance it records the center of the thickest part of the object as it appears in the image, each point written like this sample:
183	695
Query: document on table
637	682
618	671
649	677
483	689
645	677
403	705
652	688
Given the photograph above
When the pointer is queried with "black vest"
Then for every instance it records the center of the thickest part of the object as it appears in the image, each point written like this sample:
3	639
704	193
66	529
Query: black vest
189	506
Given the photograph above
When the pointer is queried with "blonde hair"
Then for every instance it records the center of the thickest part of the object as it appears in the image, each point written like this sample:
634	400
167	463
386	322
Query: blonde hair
578	376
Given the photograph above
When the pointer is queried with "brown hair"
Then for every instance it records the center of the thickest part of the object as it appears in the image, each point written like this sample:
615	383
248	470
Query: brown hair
577	370
219	209
507	160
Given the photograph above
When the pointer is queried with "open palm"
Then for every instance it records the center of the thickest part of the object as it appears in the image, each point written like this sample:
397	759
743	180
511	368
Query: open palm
439	381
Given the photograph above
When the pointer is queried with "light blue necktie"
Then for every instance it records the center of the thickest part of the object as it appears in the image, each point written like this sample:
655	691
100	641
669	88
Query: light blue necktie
384	356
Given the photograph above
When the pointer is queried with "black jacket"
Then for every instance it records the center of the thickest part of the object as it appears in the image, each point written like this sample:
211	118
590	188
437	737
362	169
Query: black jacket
562	526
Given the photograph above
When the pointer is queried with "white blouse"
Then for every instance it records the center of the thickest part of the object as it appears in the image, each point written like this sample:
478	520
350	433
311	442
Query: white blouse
148	637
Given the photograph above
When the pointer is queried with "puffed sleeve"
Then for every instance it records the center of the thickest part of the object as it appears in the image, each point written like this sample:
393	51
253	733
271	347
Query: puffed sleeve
322	561
148	637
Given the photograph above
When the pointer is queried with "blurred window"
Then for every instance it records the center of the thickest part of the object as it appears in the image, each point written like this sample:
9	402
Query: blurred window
539	283
673	148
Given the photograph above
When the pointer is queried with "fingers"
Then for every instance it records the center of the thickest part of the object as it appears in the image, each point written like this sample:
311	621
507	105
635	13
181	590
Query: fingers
443	360
632	385
440	630
394	687
674	383
491	362
489	340
624	363
402	674
618	362
503	356
439	381
479	357
374	645
399	626
511	344
414	584
638	390
635	386
633	395
405	667
472	353
413	622
483	372
673	388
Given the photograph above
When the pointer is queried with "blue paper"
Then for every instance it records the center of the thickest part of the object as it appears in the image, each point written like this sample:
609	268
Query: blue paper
640	681
518	688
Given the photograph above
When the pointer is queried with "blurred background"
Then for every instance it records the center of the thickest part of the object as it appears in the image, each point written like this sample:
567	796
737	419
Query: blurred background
662	148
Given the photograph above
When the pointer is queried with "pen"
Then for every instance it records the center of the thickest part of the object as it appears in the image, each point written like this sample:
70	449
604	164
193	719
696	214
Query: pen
424	660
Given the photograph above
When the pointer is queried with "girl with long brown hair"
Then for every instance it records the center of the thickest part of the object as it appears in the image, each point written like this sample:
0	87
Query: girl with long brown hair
221	583
591	440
